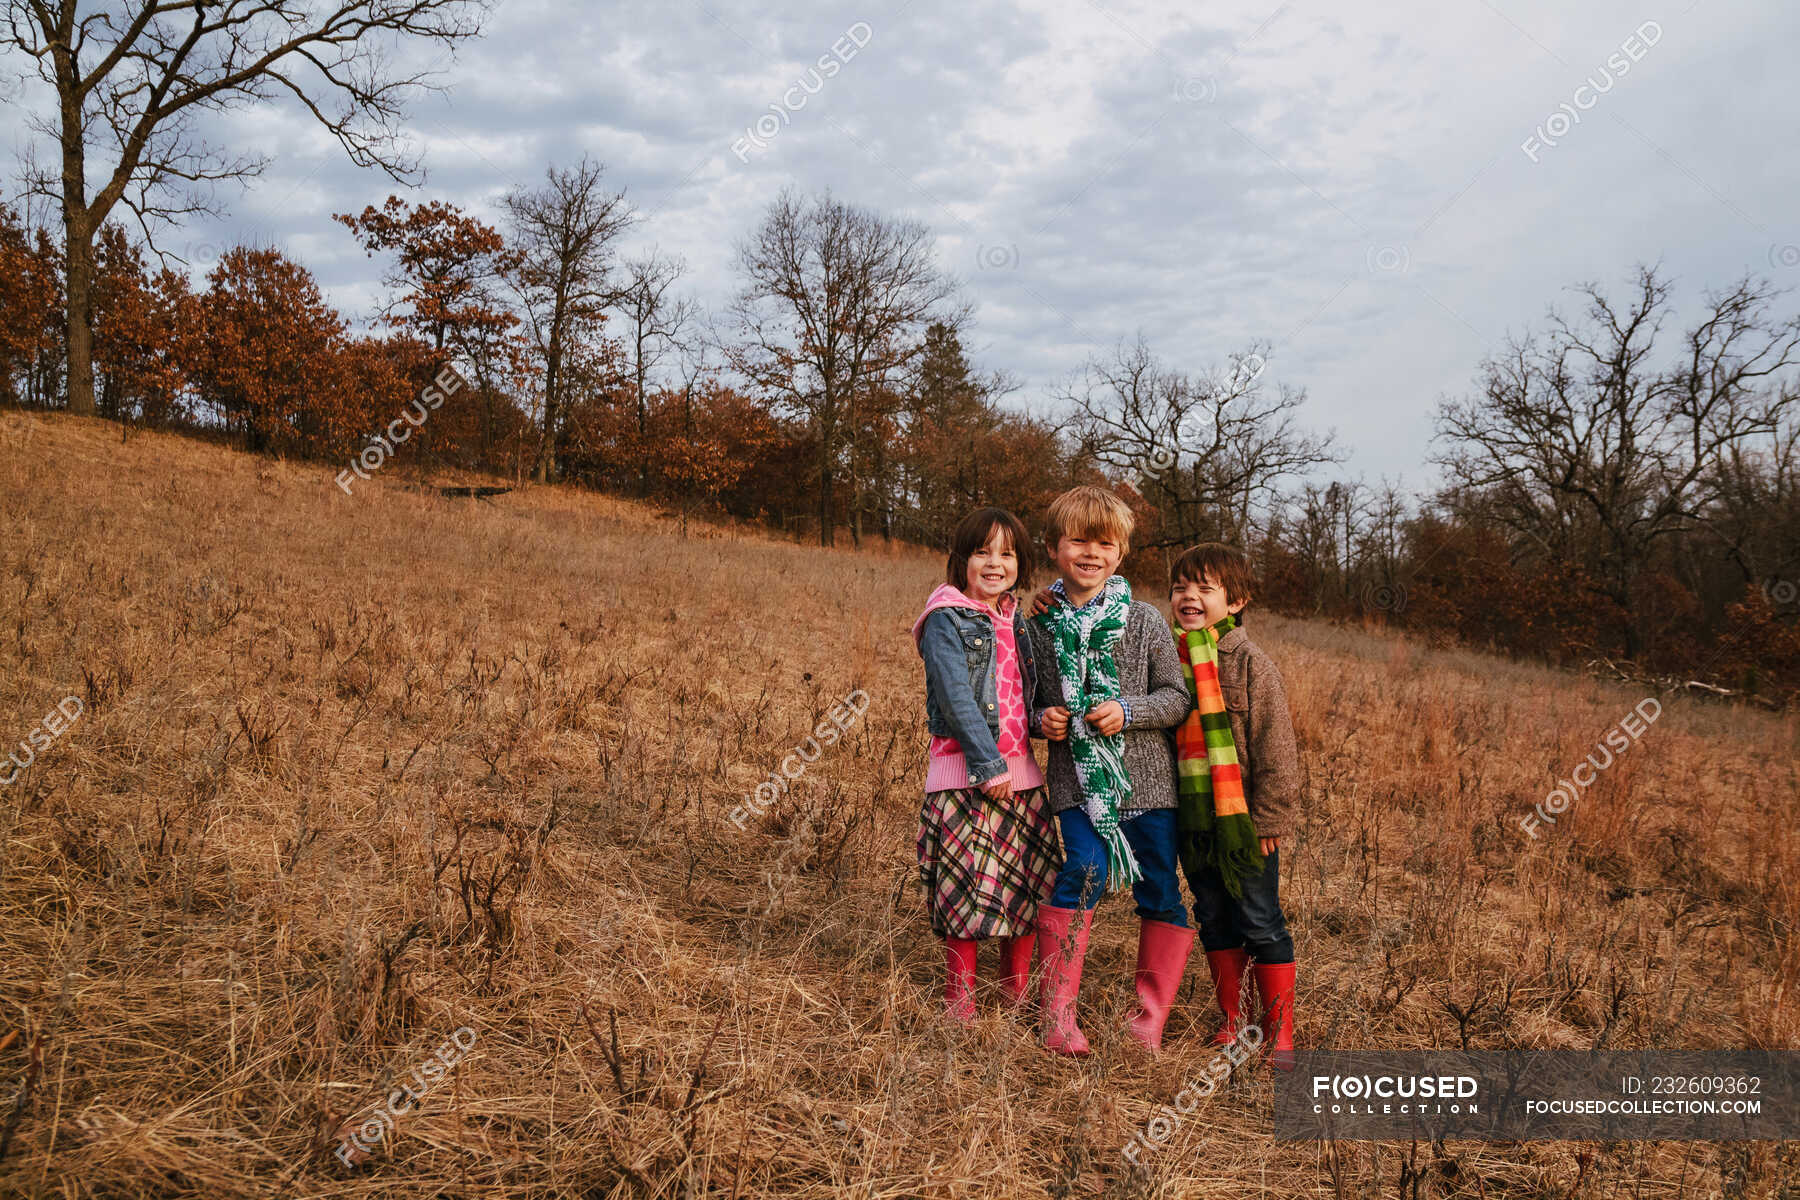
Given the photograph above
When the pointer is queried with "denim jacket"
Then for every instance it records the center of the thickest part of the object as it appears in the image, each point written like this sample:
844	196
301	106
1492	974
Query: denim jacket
961	693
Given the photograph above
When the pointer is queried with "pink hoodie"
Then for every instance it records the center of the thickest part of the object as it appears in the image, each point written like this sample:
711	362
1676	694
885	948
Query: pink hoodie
946	767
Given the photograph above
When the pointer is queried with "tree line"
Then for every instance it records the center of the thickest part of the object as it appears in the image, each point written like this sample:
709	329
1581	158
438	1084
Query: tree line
1619	487
1616	490
833	395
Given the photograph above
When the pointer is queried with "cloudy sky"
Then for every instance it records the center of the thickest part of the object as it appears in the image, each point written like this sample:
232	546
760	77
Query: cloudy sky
1349	182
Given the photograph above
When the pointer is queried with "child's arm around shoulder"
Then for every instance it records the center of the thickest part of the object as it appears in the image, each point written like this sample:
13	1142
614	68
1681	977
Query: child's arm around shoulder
1274	751
1166	699
1045	692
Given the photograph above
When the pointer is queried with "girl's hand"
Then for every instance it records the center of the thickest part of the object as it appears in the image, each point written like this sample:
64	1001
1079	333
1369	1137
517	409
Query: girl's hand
1055	723
1269	844
1108	719
1043	602
998	788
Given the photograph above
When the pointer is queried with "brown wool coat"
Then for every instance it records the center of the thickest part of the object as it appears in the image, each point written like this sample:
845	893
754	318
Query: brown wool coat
1261	726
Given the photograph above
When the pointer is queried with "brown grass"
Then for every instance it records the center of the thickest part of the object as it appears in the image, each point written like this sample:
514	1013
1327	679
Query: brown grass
354	773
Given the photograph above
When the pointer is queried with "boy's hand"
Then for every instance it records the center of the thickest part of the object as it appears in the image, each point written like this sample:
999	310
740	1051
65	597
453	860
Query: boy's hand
1269	844
1043	602
998	788
1055	723
1108	719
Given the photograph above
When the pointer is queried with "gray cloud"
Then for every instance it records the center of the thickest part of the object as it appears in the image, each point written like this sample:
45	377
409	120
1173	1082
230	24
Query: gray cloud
1346	182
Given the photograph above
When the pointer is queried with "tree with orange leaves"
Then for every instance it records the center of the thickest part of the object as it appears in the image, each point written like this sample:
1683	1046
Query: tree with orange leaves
144	329
445	269
30	311
446	272
269	365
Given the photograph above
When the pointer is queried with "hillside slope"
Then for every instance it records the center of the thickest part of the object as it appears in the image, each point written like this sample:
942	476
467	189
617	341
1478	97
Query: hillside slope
350	775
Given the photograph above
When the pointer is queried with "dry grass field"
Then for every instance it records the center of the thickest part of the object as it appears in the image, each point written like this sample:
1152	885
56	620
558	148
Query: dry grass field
351	774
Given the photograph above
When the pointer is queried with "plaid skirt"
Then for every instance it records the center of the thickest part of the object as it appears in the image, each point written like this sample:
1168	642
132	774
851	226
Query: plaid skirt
986	863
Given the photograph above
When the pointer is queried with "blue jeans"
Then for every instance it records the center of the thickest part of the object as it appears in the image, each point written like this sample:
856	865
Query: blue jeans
1082	880
1253	921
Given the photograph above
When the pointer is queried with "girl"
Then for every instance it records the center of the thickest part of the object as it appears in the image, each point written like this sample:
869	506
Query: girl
986	846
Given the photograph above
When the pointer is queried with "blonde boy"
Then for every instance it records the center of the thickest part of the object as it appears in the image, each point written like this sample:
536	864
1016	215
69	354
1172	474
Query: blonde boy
1109	686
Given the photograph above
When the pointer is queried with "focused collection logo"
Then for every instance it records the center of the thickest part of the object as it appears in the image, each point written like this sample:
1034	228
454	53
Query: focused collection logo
1402	1095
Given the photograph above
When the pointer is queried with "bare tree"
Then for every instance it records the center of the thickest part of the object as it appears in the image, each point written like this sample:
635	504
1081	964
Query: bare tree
1206	451
1307	526
1755	521
655	324
834	301
132	79
1587	451
1383	541
564	235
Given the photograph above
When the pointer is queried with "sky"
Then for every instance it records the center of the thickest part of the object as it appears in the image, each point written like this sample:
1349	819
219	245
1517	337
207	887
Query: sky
1384	193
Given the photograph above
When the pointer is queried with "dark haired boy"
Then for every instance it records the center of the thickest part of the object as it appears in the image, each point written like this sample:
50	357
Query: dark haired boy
1239	783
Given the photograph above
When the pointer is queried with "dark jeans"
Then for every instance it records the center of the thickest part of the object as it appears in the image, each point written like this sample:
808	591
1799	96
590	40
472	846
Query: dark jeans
1253	920
1082	880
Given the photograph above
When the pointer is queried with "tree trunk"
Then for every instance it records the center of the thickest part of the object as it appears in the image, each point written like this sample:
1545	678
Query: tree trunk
78	237
688	488
643	422
487	413
546	459
1632	627
540	470
855	493
78	313
825	529
856	482
883	494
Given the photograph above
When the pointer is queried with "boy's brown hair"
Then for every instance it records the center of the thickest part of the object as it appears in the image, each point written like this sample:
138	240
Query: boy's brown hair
973	533
1088	512
1224	565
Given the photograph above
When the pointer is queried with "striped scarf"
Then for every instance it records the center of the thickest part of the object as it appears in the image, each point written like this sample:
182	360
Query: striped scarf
1216	830
1084	639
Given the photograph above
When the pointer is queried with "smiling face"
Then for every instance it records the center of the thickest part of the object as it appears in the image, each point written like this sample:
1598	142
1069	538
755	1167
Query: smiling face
1086	561
1200	602
993	568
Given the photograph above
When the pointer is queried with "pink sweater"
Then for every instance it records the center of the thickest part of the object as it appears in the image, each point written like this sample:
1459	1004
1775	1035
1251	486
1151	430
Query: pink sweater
945	766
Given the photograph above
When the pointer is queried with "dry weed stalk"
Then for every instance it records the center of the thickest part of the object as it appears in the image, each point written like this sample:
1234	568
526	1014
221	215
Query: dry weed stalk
354	773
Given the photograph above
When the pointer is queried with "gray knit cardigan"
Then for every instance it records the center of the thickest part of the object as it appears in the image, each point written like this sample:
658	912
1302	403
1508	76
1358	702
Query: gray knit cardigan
1153	688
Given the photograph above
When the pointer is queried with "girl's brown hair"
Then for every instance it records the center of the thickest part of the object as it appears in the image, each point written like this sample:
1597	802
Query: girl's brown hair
973	534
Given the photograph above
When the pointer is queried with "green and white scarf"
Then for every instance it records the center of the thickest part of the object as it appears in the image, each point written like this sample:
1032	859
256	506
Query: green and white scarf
1085	639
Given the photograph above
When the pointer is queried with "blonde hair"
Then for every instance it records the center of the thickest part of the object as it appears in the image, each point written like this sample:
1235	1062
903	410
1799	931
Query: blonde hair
1089	512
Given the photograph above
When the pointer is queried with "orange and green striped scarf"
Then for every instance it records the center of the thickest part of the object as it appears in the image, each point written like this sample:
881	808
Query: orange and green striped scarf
1216	830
